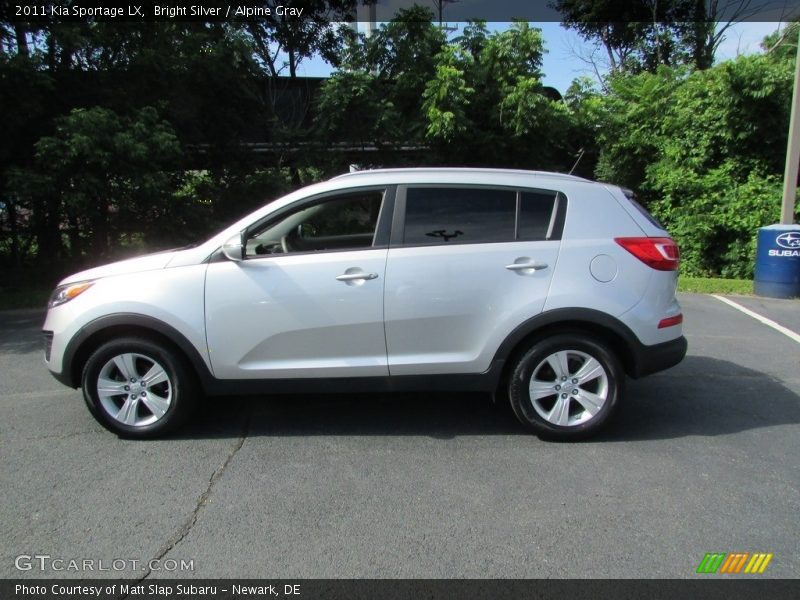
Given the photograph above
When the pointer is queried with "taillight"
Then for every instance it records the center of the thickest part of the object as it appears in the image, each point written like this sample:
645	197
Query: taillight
659	253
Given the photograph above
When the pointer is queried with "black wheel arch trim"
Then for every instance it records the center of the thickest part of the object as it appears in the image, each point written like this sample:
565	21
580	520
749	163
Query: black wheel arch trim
637	358
75	347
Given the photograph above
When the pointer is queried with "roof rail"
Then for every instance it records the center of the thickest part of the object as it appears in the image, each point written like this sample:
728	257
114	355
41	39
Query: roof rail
460	170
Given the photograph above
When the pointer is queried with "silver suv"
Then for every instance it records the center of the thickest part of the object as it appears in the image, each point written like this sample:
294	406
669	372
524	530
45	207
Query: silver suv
543	288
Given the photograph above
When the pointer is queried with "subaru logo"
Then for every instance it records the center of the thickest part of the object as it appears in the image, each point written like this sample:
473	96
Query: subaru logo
788	240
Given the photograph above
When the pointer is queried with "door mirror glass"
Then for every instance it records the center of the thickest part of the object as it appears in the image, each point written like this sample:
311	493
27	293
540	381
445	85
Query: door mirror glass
233	248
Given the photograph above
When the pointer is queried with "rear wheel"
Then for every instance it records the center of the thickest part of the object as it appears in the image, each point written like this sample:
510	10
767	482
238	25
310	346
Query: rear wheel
137	388
566	386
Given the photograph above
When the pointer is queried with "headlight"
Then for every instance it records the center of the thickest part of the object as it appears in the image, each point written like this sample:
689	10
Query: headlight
65	293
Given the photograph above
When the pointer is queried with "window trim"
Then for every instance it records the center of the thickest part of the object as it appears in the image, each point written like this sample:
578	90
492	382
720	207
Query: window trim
398	221
553	213
380	239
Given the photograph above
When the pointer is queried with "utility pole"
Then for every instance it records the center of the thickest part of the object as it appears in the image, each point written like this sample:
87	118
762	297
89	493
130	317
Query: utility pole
792	149
367	14
440	4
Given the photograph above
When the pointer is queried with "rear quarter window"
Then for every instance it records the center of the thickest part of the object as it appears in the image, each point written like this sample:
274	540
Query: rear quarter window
647	215
630	195
541	215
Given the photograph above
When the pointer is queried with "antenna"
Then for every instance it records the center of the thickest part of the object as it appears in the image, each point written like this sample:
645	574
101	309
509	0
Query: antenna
581	152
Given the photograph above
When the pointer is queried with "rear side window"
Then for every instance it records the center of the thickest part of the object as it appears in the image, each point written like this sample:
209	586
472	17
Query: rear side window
462	215
459	215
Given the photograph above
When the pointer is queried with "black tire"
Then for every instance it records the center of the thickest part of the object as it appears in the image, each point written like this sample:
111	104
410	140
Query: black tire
176	396
575	420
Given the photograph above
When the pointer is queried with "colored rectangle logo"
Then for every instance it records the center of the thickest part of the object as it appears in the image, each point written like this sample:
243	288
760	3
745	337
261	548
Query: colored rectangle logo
734	563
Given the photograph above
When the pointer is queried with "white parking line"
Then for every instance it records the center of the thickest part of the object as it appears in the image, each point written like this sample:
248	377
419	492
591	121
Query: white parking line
768	322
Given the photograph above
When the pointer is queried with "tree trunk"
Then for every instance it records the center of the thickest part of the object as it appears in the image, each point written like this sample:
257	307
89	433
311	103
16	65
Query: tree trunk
13	228
75	242
51	52
99	222
605	38
46	219
65	60
703	34
22	39
295	174
262	49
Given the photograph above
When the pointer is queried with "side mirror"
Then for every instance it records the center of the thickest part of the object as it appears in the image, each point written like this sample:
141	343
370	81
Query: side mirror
233	249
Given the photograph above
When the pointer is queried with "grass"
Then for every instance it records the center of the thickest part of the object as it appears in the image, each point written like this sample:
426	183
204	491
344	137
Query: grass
709	285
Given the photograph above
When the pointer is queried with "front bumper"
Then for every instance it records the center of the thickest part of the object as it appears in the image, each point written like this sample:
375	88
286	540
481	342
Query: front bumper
63	378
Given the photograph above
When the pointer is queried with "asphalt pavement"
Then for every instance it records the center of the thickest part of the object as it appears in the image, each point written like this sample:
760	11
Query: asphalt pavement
704	457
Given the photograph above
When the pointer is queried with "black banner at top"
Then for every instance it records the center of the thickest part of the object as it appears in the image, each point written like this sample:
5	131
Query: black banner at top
385	10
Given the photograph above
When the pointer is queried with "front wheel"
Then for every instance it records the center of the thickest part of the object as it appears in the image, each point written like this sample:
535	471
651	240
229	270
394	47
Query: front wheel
566	386
137	388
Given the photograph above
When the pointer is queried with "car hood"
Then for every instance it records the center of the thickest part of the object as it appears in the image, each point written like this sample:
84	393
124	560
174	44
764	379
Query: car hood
148	262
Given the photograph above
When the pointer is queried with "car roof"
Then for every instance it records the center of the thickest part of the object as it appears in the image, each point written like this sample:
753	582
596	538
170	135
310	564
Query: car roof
457	175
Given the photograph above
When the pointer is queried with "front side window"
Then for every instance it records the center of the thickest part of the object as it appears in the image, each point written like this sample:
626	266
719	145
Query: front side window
341	223
459	215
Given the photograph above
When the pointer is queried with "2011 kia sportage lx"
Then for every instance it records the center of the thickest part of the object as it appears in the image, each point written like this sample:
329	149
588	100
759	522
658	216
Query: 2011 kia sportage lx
544	288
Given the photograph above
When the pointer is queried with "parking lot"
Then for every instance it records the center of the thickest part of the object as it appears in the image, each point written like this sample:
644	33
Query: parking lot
702	458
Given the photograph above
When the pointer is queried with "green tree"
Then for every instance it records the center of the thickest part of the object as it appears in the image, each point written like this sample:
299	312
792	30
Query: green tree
282	42
47	70
630	123
477	99
24	94
110	177
640	35
705	151
718	175
376	96
447	96
486	103
635	34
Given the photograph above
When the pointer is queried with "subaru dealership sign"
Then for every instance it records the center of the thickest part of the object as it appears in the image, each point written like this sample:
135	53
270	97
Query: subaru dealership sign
778	261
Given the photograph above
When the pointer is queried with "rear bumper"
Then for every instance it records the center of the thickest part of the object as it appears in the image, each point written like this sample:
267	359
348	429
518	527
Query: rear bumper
651	359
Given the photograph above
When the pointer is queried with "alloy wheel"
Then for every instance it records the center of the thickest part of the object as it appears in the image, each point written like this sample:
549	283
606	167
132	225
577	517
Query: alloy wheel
568	388
134	389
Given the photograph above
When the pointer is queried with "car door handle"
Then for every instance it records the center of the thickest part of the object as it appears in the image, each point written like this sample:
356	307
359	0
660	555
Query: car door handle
356	276
524	266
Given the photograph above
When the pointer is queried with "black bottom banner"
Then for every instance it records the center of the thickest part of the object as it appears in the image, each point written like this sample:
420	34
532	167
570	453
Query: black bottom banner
416	589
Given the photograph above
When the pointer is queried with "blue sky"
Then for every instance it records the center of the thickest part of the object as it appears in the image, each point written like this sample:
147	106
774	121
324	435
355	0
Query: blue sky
562	62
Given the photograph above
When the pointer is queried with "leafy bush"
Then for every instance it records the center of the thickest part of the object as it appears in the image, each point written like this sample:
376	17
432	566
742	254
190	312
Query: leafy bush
705	150
715	219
